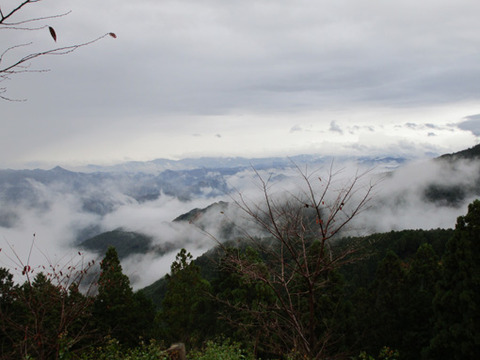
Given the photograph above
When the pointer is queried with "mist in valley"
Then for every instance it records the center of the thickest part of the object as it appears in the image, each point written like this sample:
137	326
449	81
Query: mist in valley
49	227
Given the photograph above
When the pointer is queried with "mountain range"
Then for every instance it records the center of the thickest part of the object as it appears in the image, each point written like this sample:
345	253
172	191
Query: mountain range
96	196
103	188
446	195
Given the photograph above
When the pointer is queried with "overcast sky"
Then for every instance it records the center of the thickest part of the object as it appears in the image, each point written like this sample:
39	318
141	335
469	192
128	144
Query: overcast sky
249	78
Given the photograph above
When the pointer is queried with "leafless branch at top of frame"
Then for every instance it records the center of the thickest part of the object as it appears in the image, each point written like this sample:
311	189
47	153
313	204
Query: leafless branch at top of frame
22	64
15	10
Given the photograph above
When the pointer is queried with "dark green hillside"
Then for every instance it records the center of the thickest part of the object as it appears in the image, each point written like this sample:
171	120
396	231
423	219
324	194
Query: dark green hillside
455	193
472	153
208	265
156	291
212	214
125	242
384	298
404	243
128	243
448	195
195	214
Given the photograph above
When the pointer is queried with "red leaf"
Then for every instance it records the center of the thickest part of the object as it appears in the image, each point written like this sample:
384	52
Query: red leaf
54	36
112	35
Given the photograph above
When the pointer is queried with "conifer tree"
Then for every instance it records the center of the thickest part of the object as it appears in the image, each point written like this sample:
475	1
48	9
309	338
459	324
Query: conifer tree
116	307
457	302
386	311
186	306
236	295
419	291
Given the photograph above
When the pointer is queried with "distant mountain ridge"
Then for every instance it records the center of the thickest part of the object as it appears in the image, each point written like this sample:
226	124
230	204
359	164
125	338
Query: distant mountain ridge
106	188
101	192
160	165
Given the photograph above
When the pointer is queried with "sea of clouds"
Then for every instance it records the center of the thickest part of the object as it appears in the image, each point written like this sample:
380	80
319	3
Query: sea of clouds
49	234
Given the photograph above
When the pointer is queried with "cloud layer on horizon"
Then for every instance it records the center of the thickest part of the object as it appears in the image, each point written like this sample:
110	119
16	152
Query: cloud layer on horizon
183	72
398	203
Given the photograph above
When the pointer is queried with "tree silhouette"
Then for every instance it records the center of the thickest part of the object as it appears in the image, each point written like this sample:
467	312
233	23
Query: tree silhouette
186	312
119	312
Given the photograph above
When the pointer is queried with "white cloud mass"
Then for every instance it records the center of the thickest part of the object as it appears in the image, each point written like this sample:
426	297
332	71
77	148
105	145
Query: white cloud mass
398	202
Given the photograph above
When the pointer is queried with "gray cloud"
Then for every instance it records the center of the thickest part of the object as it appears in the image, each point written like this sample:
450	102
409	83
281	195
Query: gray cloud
176	62
411	125
472	124
296	128
334	127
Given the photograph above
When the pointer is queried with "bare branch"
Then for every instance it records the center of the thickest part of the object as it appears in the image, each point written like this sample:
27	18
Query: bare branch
58	51
6	16
300	252
22	65
14	25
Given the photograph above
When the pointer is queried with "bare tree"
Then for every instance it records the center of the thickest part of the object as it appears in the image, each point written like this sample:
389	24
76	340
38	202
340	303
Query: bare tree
10	20
299	256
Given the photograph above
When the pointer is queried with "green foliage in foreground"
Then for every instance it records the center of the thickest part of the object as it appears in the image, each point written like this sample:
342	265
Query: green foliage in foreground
212	350
113	350
385	354
225	350
414	297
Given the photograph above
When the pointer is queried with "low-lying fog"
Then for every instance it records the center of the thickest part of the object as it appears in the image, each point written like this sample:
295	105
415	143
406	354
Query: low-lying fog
49	234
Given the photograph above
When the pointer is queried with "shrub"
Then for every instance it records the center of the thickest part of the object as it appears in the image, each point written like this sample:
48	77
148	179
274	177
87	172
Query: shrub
114	351
225	350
